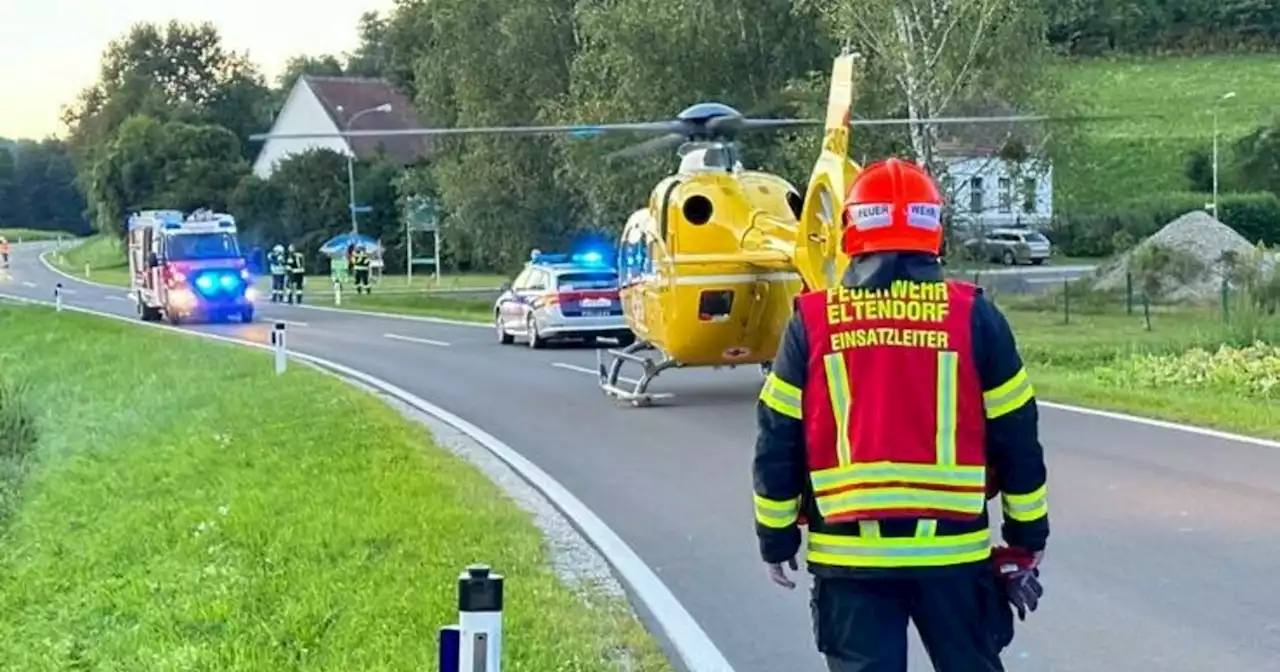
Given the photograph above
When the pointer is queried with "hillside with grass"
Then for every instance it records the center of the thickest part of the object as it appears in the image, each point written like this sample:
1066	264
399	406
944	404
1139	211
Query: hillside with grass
1118	160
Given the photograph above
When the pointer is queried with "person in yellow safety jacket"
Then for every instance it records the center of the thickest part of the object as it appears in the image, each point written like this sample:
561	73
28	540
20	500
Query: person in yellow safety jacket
896	407
360	264
4	251
276	266
296	267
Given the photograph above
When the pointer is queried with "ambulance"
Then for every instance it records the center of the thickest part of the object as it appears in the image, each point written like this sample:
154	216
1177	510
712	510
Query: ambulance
188	267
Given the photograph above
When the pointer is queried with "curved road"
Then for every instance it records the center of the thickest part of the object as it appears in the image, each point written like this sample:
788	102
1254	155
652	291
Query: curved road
1165	543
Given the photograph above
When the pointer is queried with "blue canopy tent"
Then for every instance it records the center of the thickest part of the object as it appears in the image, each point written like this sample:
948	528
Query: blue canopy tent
337	245
336	250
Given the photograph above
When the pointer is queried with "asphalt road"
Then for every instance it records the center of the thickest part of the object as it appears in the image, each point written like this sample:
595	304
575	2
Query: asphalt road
1026	279
1164	544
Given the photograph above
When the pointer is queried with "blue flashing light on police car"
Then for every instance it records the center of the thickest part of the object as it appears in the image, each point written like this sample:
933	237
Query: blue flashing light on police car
571	295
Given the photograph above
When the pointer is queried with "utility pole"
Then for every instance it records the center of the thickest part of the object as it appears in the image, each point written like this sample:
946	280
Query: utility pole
351	154
1226	96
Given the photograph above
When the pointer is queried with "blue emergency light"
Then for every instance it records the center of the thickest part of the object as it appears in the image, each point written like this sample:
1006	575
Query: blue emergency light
212	283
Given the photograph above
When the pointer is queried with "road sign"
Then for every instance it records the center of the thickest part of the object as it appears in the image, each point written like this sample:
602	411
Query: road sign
420	214
361	209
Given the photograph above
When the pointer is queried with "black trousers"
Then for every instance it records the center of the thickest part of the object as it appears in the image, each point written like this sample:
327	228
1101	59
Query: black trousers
295	282
963	619
277	283
362	278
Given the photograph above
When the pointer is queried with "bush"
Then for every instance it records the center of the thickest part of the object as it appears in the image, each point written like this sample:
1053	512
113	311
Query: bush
1252	370
1094	232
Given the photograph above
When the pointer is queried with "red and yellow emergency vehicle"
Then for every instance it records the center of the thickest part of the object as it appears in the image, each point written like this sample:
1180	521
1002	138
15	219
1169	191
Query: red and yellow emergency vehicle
188	266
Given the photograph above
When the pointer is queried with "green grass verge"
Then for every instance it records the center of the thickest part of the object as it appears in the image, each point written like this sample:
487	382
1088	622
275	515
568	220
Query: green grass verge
1124	158
33	235
418	304
1063	359
190	510
102	256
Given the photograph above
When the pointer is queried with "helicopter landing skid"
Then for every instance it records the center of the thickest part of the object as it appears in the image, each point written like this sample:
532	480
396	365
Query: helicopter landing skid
638	395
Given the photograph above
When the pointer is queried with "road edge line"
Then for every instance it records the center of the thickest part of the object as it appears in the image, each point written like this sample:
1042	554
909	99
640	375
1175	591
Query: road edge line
695	648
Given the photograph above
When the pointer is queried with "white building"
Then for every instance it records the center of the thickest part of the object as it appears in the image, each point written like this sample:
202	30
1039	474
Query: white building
986	191
327	105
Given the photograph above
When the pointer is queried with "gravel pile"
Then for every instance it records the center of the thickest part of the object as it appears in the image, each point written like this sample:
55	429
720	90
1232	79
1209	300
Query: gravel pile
1198	233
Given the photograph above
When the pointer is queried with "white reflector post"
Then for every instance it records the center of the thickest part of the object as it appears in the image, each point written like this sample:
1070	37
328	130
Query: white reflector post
57	297
277	341
337	292
480	619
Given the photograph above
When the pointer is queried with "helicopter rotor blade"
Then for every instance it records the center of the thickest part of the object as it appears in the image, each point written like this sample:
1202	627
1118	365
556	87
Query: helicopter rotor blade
650	146
988	120
576	130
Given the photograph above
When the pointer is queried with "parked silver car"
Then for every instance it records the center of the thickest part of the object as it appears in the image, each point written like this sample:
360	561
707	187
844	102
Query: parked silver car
1010	247
561	297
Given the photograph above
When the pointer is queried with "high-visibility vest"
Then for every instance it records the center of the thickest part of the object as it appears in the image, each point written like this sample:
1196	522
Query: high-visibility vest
893	406
276	262
360	261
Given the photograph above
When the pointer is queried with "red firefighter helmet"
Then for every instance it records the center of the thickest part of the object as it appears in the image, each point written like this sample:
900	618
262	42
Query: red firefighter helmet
892	206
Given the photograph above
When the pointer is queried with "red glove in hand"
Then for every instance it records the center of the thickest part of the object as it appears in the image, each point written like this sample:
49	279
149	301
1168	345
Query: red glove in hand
1019	569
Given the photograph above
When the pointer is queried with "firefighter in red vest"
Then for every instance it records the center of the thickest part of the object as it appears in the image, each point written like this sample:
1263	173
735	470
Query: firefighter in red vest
896	407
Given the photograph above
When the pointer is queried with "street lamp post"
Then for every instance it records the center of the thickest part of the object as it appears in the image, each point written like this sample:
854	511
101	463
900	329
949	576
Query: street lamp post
351	170
1226	96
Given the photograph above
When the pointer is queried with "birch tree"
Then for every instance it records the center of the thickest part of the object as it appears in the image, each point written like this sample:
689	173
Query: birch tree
942	55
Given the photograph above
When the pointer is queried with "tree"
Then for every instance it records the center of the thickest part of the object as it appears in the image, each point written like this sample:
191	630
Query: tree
8	196
326	65
940	54
1257	159
372	57
176	72
150	164
43	191
1199	171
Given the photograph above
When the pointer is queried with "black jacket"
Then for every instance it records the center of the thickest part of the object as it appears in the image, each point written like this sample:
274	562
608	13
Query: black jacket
1014	455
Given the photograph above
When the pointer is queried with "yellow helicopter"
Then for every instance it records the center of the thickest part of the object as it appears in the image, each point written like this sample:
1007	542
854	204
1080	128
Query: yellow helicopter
709	269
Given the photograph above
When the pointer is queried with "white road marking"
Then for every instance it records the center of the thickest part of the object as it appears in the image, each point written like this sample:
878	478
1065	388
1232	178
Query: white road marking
411	339
26	283
117	298
589	371
690	641
290	323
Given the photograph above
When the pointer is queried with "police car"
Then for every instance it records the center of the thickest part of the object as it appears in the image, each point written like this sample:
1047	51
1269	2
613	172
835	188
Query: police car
562	296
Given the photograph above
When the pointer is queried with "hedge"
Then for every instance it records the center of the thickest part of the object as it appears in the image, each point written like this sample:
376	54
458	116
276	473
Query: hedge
1095	232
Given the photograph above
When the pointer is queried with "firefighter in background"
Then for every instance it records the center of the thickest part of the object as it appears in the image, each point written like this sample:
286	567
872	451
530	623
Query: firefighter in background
296	267
4	252
360	264
897	406
276	265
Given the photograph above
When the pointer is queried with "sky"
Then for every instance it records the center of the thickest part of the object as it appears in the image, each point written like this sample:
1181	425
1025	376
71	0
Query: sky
49	49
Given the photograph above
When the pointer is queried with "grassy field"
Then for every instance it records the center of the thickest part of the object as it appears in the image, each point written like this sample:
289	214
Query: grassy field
186	509
103	256
1084	357
33	235
1123	159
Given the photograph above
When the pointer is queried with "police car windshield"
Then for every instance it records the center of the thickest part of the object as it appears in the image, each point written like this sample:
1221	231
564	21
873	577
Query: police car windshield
570	282
189	246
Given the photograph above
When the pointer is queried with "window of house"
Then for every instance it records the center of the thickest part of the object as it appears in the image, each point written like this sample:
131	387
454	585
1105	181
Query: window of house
975	194
1029	195
1006	195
